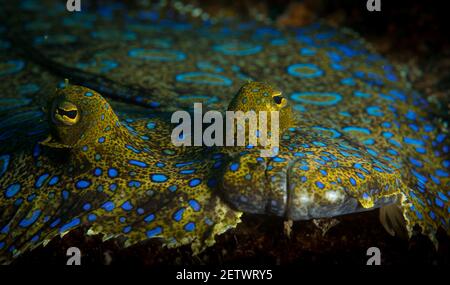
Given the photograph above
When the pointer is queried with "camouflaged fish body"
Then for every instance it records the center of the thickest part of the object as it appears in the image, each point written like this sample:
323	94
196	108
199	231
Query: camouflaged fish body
356	136
97	171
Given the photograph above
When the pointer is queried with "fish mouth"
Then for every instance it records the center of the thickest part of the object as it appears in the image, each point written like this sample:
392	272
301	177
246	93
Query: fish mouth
302	203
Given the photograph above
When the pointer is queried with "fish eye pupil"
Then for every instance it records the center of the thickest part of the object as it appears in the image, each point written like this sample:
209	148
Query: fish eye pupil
277	99
72	114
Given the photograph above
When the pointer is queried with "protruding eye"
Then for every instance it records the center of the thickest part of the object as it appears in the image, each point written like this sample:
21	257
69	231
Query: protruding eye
70	114
66	113
278	99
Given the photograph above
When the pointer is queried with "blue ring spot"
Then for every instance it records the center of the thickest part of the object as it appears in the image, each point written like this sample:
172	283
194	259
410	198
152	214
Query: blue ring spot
82	184
374	111
194	182
440	138
40	181
113	187
319	144
126	229
98	171
360	175
317	98
11	66
137	163
204	78
28	222
4	162
416	162
334	133
132	148
304	70
134	183
278	159
443	197
361	94
127	206
394	143
208	66
157	55
151	125
189	227
304	167
387	135
178	215
187	171
182	164
12	190
87	206
158	178
108	206
307	51
5	229
149	218
441	173
239	49
357	129
153	232
234	166
35	238
413	141
75	222
439	202
53	180
195	205
320	184
112	172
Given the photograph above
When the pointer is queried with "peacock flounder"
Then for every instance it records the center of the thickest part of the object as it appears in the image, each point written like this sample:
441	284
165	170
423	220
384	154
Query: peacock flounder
354	134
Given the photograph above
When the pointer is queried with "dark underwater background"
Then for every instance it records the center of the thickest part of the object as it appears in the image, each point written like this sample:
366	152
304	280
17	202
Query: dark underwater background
410	33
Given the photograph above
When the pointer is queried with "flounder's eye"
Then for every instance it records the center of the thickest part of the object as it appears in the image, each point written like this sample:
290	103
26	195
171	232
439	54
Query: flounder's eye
279	100
66	113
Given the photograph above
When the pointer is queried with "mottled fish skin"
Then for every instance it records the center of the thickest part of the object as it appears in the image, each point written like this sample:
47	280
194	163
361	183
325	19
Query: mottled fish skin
121	179
384	150
313	175
359	136
105	47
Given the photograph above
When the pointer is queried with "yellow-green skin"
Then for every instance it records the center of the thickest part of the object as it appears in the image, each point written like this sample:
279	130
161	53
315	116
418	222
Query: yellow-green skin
356	135
120	179
326	168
